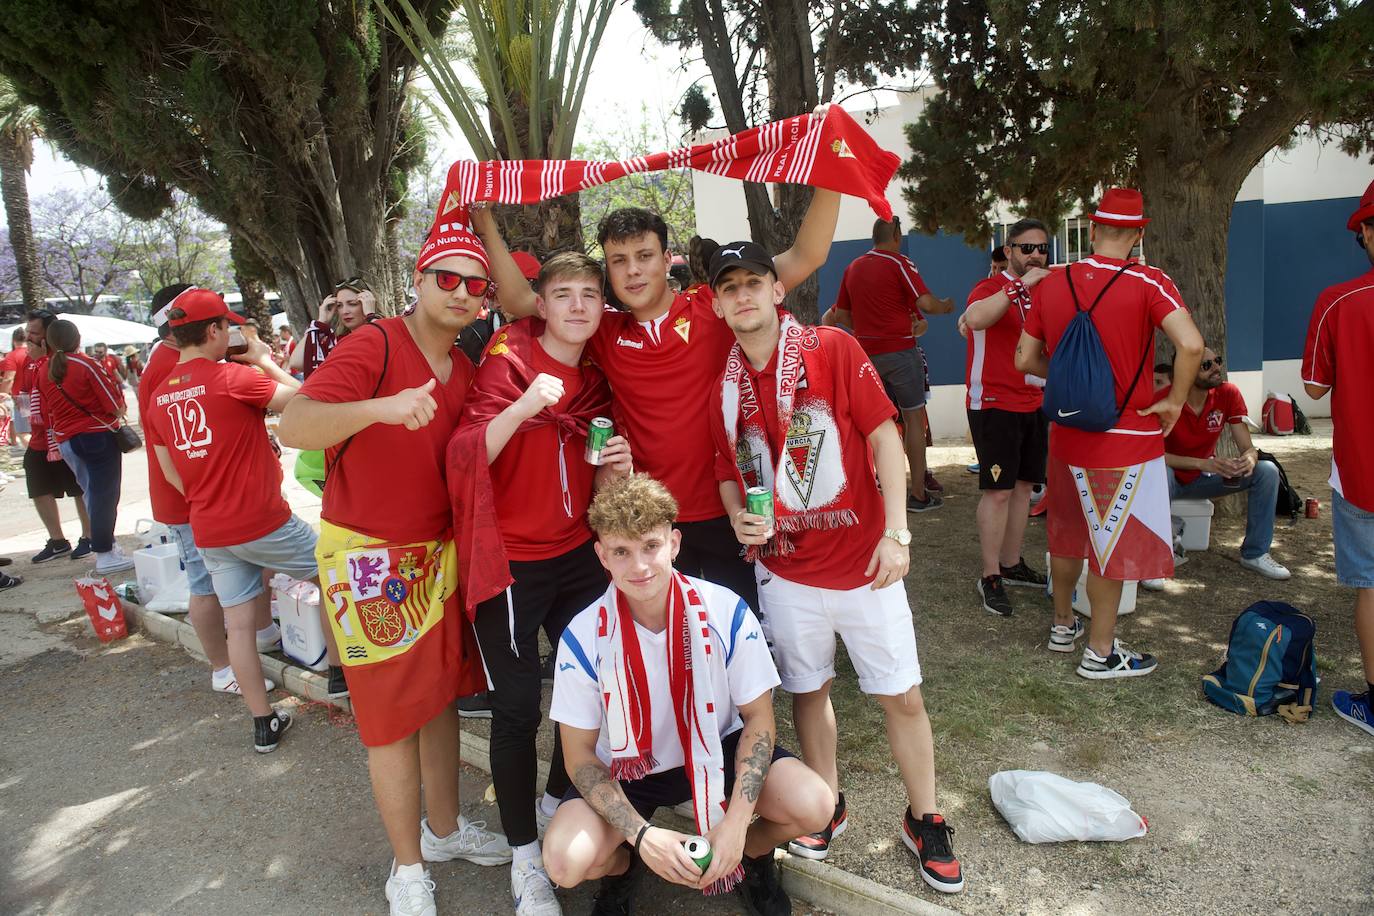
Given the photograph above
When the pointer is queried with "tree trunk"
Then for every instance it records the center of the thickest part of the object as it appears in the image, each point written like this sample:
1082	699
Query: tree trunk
14	188
545	228
255	304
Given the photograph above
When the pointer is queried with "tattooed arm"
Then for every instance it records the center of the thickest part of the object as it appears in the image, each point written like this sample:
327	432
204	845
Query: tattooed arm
661	849
752	761
1030	356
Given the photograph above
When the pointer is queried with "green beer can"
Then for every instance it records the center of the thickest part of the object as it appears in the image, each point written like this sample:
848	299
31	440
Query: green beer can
699	848
759	501
599	432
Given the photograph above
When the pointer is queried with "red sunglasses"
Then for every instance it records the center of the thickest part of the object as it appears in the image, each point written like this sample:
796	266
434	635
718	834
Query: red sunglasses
448	280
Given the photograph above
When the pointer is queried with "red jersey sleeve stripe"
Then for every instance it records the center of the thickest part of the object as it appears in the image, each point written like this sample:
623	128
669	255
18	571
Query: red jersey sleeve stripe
100	384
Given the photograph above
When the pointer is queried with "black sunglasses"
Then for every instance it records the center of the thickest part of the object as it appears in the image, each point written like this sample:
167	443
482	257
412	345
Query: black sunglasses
1207	364
448	280
1029	248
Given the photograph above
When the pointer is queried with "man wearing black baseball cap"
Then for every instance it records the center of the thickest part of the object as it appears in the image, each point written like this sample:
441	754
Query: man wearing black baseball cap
801	413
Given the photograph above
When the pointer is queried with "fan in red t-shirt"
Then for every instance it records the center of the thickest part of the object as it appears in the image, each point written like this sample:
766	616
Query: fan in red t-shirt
211	443
1340	339
113	365
1108	492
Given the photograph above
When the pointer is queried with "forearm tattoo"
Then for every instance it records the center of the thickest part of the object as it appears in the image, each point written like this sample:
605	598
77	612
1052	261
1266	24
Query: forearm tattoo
607	799
753	769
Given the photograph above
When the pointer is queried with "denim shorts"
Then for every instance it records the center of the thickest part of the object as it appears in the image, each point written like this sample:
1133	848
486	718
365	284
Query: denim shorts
237	570
196	574
903	375
1353	530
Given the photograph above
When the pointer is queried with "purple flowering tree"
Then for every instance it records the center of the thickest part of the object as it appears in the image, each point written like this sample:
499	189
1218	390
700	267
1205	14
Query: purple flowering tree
84	246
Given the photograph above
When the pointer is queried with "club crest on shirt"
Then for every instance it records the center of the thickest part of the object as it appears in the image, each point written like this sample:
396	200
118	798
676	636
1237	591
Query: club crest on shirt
683	327
1214	420
803	451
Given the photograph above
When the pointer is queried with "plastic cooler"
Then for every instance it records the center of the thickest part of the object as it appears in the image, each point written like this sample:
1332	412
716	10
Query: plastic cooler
298	615
159	571
1197	521
1080	592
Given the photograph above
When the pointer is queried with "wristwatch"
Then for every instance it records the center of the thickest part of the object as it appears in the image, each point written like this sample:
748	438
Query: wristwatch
900	535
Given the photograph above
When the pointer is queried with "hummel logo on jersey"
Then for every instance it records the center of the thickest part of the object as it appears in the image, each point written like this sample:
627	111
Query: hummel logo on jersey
632	344
737	252
1068	413
566	666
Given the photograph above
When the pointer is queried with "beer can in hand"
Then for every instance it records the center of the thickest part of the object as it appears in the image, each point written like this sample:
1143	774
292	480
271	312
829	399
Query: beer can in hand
699	848
599	432
759	501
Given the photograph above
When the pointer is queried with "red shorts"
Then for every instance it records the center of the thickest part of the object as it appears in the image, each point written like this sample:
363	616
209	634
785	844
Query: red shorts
1118	518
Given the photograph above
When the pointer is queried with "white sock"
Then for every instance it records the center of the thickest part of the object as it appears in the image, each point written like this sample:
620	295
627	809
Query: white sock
526	852
271	631
412	872
548	805
223	674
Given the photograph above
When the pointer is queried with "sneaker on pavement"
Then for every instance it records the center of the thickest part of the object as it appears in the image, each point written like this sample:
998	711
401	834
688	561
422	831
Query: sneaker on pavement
1354	708
972	468
930	840
1121	662
338	685
1063	637
51	550
1022	575
817	845
116	560
230	684
994	595
268	730
933	485
82	549
1267	566
1152	585
532	890
8	581
269	639
761	890
410	892
472	841
615	896
477	706
923	505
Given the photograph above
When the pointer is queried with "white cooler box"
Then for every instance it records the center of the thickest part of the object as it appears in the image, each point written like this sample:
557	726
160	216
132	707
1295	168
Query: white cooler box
1080	592
298	615
1197	521
161	578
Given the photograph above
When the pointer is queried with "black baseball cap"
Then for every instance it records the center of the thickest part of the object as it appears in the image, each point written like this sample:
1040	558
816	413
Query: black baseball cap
749	255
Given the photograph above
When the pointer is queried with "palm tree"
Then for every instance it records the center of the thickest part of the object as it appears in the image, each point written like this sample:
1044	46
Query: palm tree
19	127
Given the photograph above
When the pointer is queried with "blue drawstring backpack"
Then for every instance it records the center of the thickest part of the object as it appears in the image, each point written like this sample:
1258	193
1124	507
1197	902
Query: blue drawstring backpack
1080	390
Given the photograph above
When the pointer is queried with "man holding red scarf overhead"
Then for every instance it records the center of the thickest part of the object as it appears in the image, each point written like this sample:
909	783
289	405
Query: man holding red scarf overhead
384	406
521	486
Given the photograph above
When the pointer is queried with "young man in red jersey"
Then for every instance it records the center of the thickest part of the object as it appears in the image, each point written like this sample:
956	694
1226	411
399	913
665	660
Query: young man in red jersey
1010	434
802	413
1108	491
521	486
211	442
384	406
1340	339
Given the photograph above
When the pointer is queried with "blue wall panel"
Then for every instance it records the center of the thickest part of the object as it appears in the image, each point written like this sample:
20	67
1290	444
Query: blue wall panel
1245	278
1307	248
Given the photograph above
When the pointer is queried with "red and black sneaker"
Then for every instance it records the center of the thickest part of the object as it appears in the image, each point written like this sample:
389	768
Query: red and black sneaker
929	840
817	845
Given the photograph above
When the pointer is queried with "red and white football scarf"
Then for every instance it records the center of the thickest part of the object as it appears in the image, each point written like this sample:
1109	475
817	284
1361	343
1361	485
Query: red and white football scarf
629	716
808	481
833	152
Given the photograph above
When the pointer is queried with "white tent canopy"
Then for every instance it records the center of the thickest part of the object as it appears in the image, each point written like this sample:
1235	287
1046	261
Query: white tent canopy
96	329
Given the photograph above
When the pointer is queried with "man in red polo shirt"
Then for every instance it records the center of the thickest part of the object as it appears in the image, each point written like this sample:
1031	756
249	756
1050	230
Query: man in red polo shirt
1010	434
802	413
1340	339
1190	451
113	365
1108	491
882	297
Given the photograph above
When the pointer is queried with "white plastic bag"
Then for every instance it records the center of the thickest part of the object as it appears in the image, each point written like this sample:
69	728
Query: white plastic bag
1045	808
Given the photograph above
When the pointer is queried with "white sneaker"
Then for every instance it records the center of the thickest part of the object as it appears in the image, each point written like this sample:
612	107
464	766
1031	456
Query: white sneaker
269	638
230	684
409	894
114	561
471	841
1152	585
532	890
1267	566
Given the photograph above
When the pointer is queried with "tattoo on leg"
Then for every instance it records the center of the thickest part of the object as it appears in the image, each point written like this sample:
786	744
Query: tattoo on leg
606	798
754	768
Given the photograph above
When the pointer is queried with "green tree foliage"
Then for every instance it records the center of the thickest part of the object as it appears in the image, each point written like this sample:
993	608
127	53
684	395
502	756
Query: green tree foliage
1042	103
287	120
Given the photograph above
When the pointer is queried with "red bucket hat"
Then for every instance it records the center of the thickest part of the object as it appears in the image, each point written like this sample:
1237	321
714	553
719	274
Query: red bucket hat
1365	211
1121	207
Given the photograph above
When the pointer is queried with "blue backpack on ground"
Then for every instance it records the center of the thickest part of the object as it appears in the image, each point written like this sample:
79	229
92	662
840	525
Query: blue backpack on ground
1080	390
1271	665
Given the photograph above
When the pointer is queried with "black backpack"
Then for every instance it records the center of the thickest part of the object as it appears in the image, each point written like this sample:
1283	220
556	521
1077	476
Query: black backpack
1290	502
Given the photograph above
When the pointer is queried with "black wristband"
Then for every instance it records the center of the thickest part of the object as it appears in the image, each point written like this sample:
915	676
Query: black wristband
639	837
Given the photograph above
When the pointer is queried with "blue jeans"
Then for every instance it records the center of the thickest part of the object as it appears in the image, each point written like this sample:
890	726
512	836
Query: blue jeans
1263	486
98	464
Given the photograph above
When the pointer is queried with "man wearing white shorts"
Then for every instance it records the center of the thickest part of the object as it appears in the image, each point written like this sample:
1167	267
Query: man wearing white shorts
802	414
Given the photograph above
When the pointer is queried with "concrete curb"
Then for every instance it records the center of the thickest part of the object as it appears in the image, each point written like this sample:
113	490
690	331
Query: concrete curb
823	885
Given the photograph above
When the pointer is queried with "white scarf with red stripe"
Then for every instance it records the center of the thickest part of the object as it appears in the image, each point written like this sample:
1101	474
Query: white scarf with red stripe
624	682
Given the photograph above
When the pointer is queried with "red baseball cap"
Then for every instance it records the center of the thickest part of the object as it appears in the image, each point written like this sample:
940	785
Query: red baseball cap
528	264
1121	207
201	305
1365	211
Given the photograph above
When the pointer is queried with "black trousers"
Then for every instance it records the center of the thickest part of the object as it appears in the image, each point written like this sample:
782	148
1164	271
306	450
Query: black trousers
546	594
710	551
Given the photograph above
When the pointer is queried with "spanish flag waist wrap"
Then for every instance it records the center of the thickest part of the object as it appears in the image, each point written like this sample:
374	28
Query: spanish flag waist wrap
407	649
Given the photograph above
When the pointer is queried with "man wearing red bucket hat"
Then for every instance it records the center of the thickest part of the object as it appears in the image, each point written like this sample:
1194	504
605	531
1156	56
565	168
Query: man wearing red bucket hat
1108	488
1340	339
384	406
